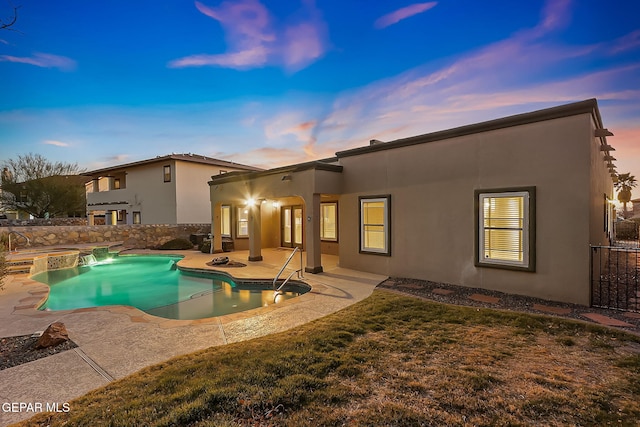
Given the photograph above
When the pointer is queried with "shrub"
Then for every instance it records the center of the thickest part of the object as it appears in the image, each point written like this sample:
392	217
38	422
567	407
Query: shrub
177	244
205	247
626	230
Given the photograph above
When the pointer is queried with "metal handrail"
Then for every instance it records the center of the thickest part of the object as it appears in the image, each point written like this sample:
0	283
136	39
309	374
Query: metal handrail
17	233
299	271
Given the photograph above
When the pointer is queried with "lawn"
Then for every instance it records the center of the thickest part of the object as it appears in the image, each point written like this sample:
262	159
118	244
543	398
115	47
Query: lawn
389	360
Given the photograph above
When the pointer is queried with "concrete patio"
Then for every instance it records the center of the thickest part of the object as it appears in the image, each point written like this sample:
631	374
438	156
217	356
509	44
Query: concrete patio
114	342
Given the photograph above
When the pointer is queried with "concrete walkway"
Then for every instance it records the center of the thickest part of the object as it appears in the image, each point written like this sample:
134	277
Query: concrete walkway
114	342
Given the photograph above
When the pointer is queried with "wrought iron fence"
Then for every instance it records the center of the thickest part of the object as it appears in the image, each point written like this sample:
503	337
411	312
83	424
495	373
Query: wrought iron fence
615	281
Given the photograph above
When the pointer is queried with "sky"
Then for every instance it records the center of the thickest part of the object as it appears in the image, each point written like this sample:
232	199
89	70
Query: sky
276	82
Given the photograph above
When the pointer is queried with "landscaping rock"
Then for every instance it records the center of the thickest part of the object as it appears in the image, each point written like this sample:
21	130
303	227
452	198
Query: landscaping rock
54	335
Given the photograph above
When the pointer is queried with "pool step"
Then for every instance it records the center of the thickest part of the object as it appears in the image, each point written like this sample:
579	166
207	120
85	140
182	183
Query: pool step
19	266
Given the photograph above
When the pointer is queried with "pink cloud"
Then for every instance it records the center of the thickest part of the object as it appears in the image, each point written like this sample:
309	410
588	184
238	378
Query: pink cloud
56	143
268	157
303	45
403	13
44	60
627	42
254	39
238	60
556	14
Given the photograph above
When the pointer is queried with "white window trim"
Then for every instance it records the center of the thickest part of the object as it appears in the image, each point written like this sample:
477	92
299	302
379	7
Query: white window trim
322	237
222	209
386	224
240	221
528	229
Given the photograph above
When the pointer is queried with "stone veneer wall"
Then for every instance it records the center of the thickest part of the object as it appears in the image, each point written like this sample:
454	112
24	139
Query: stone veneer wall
132	236
54	262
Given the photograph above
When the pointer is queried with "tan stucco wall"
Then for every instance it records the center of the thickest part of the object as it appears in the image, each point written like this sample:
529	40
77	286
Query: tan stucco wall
432	206
302	189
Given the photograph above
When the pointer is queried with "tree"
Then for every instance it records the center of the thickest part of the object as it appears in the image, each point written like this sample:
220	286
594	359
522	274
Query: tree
8	23
41	188
624	184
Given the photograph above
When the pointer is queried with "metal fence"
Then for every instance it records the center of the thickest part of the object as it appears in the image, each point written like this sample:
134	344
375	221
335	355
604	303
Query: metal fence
615	281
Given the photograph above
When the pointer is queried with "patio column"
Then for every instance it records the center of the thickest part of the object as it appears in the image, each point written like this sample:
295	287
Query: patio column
216	229
314	251
255	231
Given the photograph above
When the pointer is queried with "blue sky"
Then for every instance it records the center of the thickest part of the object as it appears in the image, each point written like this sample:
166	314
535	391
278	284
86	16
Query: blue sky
271	83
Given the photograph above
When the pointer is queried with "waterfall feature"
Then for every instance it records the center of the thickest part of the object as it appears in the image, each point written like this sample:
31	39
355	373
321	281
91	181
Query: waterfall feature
88	259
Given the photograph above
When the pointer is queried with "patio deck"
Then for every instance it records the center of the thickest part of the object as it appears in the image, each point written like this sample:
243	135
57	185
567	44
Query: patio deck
114	342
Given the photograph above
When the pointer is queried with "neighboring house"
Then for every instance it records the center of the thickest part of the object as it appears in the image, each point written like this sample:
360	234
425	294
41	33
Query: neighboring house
635	213
510	205
164	190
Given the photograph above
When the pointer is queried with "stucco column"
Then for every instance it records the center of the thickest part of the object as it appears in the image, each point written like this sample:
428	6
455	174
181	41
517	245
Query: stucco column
216	228
255	231
314	251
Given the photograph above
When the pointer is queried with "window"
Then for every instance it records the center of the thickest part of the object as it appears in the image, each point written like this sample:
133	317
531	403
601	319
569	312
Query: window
167	173
505	221
225	221
374	225
137	218
116	183
329	221
243	222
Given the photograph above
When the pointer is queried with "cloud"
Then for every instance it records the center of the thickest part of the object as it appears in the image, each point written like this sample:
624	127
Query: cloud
251	58
507	77
403	13
267	157
255	39
56	143
44	60
628	42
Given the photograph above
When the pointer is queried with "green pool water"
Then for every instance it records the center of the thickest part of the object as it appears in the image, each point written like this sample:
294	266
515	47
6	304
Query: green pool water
154	285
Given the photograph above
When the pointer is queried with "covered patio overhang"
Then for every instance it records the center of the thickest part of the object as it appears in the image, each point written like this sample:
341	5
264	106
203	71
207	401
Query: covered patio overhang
261	197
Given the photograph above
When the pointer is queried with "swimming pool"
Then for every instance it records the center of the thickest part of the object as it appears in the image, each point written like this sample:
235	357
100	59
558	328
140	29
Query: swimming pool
154	285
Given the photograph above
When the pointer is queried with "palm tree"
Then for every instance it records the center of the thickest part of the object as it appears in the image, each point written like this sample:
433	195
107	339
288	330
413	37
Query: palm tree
624	184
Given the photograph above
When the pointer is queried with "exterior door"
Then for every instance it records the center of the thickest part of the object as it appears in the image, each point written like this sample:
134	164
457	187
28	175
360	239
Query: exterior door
291	218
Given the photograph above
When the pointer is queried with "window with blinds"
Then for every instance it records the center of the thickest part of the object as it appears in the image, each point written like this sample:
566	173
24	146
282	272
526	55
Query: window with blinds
374	225
504	228
243	222
329	221
225	221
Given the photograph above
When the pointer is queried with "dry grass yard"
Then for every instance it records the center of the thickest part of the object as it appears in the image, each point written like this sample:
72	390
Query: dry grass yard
390	360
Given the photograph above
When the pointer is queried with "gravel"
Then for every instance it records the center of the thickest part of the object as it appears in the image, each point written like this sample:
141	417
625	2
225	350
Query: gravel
460	295
15	351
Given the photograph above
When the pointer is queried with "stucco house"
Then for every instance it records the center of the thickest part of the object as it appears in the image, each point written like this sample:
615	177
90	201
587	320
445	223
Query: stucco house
511	204
168	189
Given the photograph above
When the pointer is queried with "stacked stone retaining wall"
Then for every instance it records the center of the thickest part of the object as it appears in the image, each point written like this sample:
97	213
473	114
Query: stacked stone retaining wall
131	236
